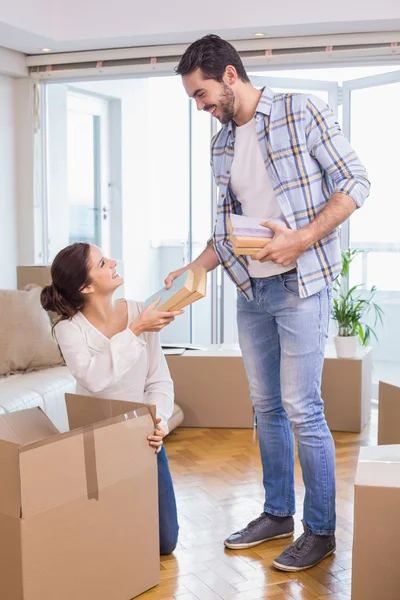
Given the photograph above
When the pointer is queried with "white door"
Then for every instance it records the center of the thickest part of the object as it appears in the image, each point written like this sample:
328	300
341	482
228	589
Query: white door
88	169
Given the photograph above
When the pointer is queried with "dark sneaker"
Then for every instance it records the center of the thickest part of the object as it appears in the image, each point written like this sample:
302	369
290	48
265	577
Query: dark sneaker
306	552
260	530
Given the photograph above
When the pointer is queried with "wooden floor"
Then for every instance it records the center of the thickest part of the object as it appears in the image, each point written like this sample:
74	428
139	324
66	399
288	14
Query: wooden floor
217	476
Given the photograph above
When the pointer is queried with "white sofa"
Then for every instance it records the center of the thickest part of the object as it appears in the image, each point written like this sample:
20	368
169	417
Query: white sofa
45	388
39	384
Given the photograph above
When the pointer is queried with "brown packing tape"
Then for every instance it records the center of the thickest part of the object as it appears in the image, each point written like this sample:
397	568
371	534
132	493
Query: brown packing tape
89	449
139	412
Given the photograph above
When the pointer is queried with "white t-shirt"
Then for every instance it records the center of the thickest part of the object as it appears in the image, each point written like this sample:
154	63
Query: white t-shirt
125	367
252	187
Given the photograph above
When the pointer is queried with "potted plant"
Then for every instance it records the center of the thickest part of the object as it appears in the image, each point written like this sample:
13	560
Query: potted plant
350	307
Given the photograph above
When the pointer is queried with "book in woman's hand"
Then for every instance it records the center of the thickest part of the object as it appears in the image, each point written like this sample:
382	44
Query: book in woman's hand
185	289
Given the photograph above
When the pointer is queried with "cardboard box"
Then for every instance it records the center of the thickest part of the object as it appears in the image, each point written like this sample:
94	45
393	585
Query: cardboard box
376	572
37	274
347	390
388	414
79	510
211	387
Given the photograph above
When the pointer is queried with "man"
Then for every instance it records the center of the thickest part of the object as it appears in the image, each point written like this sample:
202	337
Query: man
280	156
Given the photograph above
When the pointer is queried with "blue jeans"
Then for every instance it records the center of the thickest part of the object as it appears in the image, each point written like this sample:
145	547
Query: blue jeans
168	518
282	338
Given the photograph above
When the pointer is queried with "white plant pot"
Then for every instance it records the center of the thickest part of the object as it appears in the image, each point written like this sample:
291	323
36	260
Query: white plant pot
346	346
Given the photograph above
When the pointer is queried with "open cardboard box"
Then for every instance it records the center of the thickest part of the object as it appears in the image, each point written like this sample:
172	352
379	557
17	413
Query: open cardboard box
78	510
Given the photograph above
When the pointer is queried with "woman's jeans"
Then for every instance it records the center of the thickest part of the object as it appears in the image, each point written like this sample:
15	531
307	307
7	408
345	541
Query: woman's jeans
168	518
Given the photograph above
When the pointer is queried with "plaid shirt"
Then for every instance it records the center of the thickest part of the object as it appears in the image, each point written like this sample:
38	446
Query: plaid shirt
307	159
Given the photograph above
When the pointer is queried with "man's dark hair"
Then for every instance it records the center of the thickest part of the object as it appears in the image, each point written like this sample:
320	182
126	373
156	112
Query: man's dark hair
211	54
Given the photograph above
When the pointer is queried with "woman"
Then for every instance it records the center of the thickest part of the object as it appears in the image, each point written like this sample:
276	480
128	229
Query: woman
113	351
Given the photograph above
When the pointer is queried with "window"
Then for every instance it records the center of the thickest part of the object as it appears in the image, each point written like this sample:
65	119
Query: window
128	169
374	230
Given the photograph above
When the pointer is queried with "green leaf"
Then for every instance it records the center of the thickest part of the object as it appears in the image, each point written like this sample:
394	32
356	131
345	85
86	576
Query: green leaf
349	307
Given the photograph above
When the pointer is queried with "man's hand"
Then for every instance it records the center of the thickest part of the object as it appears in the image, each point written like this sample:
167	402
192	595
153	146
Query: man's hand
168	281
285	247
207	259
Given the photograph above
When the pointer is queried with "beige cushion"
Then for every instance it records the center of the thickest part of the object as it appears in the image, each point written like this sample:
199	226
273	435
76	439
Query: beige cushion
26	341
54	317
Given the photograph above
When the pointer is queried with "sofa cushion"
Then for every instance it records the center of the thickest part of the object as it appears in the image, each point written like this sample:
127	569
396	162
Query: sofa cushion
176	419
45	388
26	341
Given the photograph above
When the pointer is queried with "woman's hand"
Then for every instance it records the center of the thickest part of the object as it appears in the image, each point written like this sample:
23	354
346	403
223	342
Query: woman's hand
152	319
156	440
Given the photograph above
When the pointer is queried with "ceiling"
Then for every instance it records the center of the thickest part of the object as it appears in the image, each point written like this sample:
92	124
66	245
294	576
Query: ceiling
28	26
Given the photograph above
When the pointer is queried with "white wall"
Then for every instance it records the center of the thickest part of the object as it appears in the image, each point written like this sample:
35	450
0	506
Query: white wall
57	175
16	166
8	218
28	215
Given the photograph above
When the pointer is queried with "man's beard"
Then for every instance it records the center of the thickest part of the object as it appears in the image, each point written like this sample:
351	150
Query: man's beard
226	104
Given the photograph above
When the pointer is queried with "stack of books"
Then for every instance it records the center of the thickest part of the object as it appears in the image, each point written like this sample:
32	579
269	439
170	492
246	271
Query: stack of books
185	289
248	236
